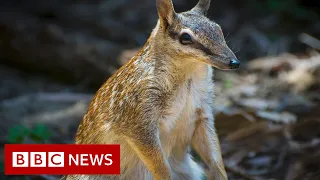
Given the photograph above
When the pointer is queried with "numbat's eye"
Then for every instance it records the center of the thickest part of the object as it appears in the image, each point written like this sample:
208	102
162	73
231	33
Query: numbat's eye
185	39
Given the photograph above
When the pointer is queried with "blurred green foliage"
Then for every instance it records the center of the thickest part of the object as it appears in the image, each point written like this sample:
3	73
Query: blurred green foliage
227	84
39	133
2	167
283	7
288	6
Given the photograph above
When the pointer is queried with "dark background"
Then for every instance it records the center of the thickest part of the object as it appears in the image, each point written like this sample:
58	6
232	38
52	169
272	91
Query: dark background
54	55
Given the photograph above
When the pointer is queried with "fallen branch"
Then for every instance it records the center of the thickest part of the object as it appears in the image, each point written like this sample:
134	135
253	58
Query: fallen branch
240	172
310	41
52	97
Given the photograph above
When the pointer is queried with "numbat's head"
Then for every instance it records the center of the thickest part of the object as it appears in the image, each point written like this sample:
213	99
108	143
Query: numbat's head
191	36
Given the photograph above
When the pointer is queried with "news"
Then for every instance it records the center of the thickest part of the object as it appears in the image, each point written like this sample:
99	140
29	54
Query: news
90	159
62	159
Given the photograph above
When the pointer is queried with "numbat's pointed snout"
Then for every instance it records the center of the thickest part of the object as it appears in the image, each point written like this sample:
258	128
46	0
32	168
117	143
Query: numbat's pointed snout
234	63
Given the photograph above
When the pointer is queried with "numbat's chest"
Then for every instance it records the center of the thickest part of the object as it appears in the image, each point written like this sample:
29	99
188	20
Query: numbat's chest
180	120
181	113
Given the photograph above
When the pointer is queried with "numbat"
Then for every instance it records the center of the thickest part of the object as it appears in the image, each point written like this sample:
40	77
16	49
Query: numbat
159	104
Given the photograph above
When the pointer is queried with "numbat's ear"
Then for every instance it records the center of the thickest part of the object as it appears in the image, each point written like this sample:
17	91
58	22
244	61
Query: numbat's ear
166	12
202	7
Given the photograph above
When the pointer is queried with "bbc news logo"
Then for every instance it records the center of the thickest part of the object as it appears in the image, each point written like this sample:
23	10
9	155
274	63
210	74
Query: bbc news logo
62	159
56	159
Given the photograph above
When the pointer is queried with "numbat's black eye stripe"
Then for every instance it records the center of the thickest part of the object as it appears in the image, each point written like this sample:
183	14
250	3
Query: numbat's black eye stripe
195	44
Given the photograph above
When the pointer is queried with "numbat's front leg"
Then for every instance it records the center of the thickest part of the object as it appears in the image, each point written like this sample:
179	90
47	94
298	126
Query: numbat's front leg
206	143
148	147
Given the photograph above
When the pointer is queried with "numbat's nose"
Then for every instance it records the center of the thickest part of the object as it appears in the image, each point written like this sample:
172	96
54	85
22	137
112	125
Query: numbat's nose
234	63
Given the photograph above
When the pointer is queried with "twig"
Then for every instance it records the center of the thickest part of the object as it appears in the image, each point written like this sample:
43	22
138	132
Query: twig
74	112
241	173
310	41
247	131
53	97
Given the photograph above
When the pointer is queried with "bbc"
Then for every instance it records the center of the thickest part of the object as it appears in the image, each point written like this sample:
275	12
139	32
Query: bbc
37	159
